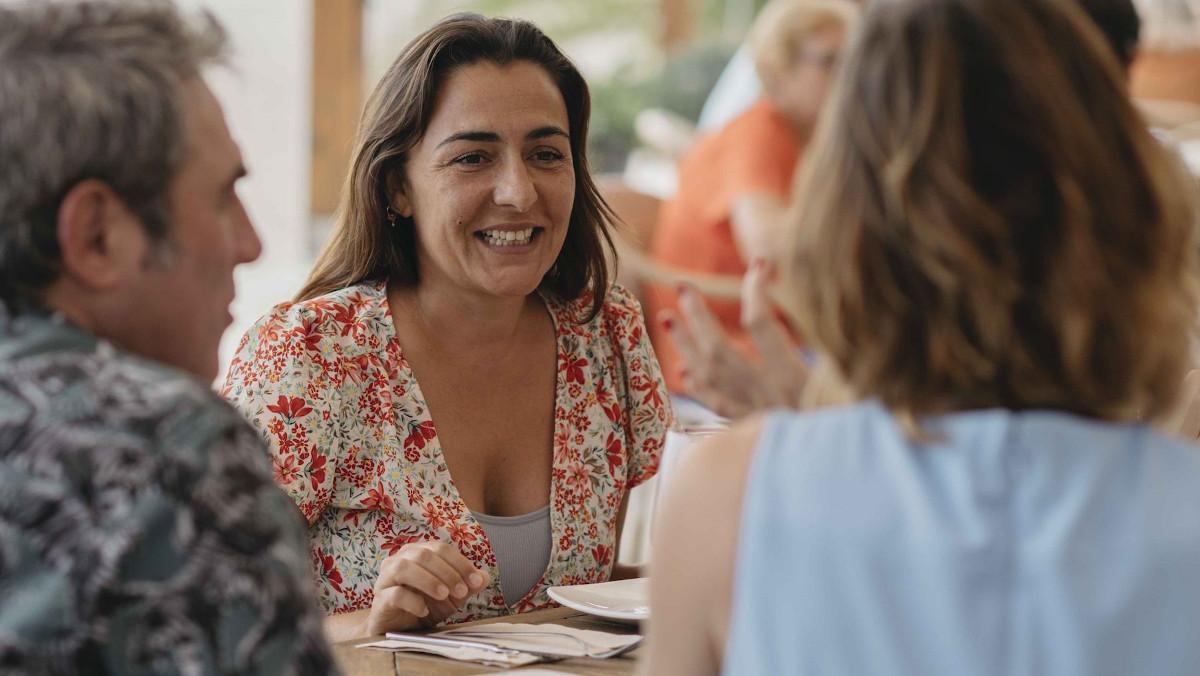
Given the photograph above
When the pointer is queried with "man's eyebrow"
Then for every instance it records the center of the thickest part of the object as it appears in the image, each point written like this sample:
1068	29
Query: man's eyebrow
484	136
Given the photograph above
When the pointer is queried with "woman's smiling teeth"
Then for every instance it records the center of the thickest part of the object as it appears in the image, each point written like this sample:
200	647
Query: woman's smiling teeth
507	237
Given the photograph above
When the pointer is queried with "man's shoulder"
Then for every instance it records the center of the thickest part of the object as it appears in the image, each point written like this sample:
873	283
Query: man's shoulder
88	394
133	490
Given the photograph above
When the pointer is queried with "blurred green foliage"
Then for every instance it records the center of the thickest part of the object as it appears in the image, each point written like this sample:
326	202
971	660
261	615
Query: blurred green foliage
634	78
680	86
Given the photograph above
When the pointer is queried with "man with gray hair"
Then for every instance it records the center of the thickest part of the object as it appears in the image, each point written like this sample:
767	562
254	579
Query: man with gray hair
140	529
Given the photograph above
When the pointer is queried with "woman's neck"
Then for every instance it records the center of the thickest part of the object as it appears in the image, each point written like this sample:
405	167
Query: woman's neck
458	319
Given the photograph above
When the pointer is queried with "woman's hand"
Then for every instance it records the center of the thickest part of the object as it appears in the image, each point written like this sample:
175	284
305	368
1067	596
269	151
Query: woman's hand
717	373
421	585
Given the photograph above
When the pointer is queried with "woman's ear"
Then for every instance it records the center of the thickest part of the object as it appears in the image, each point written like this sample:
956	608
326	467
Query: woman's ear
398	196
401	204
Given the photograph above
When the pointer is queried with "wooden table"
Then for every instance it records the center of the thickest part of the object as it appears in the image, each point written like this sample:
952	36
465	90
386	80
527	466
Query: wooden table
366	662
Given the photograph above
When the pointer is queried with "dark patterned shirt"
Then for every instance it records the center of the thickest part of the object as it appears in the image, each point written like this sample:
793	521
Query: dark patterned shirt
140	530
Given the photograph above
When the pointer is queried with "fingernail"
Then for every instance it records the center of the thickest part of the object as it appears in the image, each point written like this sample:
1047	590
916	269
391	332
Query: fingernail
442	591
476	579
460	590
424	612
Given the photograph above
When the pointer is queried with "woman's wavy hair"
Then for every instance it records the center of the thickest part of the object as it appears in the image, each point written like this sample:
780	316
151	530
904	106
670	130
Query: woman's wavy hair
985	221
365	247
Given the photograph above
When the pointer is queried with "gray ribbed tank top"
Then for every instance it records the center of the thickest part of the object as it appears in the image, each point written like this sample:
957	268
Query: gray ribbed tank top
522	547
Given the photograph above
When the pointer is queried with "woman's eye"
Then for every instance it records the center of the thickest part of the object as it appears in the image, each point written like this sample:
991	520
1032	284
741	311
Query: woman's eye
471	158
547	156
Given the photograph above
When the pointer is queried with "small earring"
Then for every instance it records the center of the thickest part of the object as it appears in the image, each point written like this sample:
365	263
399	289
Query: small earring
391	216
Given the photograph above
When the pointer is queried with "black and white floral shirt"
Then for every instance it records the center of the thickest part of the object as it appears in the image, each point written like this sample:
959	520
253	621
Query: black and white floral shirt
140	529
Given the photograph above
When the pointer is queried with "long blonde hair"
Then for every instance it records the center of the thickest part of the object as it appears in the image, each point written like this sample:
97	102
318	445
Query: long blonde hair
984	220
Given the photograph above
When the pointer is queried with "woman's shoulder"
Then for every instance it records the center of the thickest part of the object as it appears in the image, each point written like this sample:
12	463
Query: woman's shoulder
330	314
619	306
618	322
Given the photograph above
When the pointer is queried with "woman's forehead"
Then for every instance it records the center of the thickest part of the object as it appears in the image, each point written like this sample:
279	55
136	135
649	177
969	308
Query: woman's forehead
486	96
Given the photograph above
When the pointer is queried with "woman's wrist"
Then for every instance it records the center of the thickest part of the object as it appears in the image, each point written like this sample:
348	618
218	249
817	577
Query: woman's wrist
348	626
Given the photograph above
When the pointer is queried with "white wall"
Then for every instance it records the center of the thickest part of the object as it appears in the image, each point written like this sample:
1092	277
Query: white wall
266	95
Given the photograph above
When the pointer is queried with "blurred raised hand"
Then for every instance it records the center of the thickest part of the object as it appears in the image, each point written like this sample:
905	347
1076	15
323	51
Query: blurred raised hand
720	375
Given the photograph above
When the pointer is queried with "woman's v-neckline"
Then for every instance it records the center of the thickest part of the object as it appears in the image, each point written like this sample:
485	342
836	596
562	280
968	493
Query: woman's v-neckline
560	387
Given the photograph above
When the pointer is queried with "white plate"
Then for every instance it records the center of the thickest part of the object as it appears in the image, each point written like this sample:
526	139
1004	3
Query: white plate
626	600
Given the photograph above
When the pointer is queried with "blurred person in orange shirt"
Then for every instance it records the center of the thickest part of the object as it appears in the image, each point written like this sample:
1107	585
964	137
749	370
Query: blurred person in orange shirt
735	183
733	384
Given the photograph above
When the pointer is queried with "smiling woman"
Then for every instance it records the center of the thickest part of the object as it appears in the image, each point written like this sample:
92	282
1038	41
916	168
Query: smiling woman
459	401
492	179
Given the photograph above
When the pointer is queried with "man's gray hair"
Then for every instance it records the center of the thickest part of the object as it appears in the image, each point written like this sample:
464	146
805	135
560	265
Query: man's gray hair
89	89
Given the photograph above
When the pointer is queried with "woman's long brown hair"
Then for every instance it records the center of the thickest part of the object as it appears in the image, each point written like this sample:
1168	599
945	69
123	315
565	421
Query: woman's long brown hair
364	246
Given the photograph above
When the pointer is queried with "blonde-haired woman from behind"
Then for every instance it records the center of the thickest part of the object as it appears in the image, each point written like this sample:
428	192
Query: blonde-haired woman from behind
999	261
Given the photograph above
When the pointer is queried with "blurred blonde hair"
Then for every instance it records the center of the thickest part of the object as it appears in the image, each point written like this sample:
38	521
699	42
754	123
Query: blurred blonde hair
984	220
779	31
1170	24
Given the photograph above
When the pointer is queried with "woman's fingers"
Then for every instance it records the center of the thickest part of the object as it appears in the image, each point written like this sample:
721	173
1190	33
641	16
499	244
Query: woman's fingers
419	567
396	609
707	335
782	370
759	320
435	569
756	301
474	578
403	600
423	583
420	579
716	373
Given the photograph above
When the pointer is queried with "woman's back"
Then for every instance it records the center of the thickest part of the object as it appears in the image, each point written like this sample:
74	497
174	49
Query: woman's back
1011	543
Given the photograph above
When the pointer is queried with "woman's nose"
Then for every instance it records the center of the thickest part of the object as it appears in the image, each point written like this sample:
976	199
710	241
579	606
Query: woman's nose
515	188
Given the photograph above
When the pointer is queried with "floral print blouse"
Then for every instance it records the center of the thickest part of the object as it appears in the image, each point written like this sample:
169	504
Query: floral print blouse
326	382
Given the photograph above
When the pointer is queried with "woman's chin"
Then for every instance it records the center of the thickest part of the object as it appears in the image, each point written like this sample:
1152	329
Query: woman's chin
509	286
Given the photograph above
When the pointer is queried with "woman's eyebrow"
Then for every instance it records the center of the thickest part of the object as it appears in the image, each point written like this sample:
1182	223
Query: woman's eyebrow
484	136
493	137
543	132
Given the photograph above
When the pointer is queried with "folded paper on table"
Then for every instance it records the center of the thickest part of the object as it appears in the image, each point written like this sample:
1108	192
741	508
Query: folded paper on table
510	644
548	639
534	672
507	658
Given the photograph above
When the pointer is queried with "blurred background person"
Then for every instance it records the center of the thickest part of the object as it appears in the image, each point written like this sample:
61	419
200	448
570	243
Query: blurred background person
733	383
1168	64
459	400
734	184
1000	261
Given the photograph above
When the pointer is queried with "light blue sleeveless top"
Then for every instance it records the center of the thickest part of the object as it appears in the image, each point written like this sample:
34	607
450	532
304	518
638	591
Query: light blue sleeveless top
1019	544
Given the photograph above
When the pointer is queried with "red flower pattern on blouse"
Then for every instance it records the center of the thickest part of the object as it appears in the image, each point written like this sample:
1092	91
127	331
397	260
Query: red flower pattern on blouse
326	382
290	408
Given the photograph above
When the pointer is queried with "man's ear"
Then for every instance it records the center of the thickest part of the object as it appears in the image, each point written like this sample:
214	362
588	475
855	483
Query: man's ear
101	241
